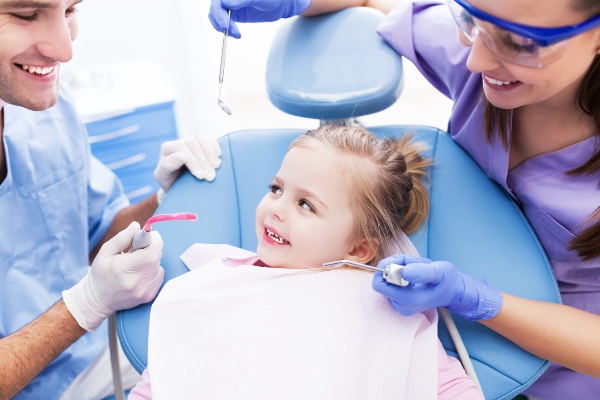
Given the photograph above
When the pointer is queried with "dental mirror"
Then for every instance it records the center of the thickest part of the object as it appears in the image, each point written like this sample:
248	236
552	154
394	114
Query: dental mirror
223	106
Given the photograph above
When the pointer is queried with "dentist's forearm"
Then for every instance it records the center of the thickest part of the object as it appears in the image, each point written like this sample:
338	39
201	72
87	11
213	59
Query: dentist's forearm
326	6
559	333
25	353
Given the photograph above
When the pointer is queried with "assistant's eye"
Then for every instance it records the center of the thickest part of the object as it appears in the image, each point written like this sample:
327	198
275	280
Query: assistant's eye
29	17
528	46
275	189
306	205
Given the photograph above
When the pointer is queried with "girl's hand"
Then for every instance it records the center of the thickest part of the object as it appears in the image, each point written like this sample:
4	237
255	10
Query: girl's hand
438	284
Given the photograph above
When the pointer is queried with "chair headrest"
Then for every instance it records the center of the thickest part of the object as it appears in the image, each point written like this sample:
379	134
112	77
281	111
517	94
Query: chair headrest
333	66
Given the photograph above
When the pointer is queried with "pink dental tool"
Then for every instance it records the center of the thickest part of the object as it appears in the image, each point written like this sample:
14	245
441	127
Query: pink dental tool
142	237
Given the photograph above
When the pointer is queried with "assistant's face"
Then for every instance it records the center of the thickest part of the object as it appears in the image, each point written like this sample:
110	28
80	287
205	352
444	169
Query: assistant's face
559	79
35	38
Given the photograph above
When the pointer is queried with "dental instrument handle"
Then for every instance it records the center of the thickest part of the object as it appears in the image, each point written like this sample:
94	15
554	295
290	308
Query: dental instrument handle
223	52
142	238
393	274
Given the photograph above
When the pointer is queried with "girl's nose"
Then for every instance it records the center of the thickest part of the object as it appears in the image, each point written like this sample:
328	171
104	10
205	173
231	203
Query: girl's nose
276	209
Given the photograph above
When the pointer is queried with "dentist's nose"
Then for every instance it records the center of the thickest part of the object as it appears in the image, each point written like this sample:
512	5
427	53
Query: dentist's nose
55	41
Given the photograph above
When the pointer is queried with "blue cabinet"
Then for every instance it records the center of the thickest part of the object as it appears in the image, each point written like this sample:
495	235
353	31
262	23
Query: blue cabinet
129	145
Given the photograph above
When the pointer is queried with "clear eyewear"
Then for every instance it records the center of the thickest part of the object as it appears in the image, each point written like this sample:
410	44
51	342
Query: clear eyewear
515	43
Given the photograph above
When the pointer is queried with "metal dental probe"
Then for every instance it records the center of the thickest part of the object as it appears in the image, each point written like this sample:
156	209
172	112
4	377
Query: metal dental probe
222	71
392	273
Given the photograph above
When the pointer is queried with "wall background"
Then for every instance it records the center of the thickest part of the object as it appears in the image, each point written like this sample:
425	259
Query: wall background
177	35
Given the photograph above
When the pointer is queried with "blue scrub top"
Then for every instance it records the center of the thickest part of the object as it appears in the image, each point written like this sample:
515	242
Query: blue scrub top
56	204
557	205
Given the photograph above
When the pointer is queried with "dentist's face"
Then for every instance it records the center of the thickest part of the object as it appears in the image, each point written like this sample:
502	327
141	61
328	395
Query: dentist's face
555	81
305	219
35	38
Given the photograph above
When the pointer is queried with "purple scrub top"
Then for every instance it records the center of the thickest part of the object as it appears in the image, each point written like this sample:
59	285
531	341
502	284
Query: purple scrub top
558	206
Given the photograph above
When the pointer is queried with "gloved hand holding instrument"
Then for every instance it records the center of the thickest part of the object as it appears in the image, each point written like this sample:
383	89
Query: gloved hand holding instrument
251	11
415	284
119	281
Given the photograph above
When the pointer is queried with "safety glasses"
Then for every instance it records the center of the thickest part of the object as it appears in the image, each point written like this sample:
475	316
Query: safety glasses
525	45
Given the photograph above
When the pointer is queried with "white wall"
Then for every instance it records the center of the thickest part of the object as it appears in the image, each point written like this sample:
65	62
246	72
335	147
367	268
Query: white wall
177	35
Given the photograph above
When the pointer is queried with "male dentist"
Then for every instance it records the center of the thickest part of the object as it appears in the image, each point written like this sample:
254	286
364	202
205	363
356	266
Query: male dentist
60	208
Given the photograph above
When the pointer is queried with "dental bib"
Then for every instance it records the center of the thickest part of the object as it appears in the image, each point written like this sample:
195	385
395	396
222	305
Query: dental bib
248	332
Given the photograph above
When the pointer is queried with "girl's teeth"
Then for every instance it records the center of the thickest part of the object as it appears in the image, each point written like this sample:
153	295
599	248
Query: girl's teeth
275	237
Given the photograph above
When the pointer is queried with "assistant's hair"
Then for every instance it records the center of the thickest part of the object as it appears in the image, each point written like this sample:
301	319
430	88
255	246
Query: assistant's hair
388	179
497	122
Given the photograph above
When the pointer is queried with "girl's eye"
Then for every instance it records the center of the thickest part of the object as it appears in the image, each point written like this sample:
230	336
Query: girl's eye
71	10
306	205
275	189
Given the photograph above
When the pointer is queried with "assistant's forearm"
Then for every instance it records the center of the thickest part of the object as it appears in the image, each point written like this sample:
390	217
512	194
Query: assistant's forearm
139	212
559	333
326	6
25	353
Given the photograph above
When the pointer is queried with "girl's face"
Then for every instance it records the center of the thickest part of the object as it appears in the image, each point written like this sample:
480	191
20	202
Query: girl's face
306	219
555	83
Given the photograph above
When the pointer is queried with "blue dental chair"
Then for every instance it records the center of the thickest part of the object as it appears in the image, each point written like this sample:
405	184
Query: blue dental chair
473	223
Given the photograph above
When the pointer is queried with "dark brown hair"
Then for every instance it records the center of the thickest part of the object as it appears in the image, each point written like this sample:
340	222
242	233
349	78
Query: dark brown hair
388	178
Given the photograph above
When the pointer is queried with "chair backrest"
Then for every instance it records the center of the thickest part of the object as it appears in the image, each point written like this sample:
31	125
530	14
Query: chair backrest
473	223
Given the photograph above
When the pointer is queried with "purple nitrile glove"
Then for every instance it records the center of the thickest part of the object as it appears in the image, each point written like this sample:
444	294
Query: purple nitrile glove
251	11
438	284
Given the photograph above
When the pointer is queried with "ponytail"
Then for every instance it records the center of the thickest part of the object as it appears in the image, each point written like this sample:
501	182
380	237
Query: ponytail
416	167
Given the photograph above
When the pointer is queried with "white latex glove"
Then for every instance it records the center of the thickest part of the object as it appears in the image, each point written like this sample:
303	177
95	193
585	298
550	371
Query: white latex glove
116	280
200	154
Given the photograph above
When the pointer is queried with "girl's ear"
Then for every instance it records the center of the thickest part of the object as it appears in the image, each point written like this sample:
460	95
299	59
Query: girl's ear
362	252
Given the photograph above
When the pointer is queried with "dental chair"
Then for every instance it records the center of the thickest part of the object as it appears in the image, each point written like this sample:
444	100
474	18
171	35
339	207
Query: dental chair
473	223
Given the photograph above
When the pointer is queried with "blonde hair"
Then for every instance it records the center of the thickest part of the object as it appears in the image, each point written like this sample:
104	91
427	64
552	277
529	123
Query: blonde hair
388	178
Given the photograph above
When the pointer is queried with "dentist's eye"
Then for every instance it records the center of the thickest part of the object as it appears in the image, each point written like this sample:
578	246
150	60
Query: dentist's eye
306	205
275	190
71	10
30	17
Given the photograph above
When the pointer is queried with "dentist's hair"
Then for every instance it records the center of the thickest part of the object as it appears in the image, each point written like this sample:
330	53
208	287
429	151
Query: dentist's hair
388	182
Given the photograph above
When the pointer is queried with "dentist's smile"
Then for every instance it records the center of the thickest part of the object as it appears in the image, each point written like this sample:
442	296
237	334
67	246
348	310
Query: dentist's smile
39	73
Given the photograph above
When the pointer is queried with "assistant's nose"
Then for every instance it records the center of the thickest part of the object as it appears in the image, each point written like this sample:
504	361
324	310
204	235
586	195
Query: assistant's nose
481	57
55	38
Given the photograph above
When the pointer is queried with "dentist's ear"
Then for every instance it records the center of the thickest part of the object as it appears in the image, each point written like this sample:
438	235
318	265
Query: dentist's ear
363	251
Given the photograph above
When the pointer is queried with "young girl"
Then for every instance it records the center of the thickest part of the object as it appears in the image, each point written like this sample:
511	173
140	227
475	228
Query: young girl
276	324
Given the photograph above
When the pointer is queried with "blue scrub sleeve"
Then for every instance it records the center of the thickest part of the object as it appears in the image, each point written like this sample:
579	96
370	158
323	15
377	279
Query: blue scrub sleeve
426	34
105	199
